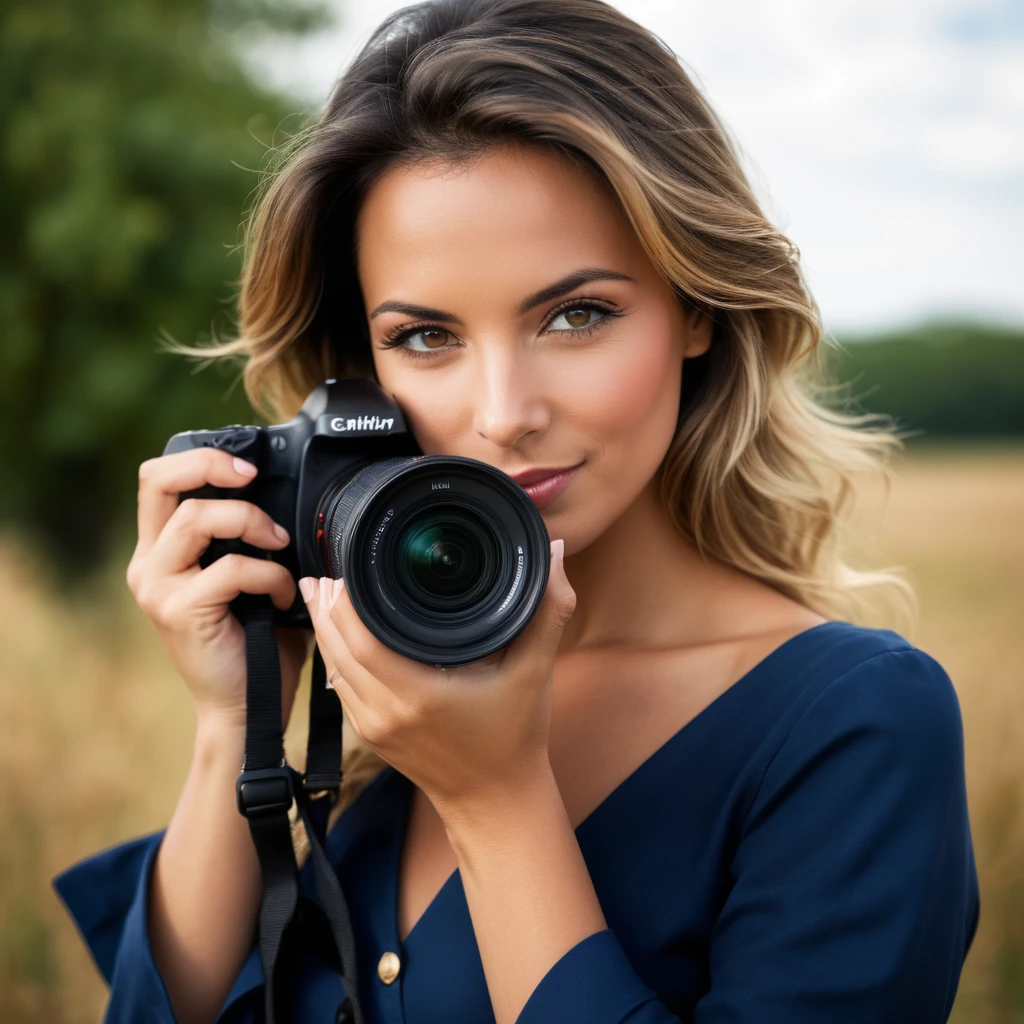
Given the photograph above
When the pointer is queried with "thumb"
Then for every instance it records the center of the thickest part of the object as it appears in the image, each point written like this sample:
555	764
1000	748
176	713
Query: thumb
540	639
559	590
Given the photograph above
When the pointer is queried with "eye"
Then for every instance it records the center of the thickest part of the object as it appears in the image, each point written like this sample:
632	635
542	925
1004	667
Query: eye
578	317
421	341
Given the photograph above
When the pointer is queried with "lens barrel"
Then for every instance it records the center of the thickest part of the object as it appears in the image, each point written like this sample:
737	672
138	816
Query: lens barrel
445	558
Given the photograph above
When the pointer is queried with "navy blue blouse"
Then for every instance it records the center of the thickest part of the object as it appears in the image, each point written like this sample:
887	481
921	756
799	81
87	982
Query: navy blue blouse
798	852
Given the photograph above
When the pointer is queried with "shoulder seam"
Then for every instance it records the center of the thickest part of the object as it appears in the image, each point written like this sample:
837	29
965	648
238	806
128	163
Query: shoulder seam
909	649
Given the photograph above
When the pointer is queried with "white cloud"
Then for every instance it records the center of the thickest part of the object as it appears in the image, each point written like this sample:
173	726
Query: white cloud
886	139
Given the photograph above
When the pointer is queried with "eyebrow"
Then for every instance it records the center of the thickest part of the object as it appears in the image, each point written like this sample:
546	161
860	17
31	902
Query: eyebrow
552	291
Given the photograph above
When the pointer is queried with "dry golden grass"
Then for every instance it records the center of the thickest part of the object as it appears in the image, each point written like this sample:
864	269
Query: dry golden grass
98	729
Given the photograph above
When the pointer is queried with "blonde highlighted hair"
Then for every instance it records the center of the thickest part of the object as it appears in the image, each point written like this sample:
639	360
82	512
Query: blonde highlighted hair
761	472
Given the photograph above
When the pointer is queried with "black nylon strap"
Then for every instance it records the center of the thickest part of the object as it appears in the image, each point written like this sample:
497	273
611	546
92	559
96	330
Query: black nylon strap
264	745
323	751
268	825
273	840
265	788
323	771
332	899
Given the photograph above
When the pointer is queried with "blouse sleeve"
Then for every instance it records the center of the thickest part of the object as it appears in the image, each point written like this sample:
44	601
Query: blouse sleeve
853	890
106	896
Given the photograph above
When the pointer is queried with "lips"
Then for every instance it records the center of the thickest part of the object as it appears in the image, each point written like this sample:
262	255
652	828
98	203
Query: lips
548	484
534	476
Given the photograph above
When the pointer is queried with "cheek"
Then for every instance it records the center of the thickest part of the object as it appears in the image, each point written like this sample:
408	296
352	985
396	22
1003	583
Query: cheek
433	404
631	389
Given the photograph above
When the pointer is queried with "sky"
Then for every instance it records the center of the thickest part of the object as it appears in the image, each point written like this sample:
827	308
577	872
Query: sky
885	139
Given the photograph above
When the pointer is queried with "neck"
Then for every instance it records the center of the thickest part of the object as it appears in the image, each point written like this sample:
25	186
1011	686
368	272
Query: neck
643	584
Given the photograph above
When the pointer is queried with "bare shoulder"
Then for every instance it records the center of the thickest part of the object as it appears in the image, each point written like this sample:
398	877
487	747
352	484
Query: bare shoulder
781	620
612	708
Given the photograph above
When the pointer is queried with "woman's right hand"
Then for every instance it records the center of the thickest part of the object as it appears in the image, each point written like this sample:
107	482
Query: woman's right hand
189	605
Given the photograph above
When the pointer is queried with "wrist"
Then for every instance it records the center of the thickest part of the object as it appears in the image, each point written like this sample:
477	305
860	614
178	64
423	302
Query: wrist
219	739
492	814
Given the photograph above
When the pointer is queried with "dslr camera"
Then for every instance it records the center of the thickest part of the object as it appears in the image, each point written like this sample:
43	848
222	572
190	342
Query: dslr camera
445	558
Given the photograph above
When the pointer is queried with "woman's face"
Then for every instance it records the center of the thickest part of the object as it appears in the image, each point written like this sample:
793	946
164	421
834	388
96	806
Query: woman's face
515	319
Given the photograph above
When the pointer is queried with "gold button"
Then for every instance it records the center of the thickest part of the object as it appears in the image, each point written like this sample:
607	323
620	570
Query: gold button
388	968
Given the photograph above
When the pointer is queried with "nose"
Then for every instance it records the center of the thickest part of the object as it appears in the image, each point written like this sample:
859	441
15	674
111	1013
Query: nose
509	404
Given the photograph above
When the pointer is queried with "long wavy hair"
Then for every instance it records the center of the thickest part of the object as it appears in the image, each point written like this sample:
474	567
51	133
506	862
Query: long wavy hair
761	471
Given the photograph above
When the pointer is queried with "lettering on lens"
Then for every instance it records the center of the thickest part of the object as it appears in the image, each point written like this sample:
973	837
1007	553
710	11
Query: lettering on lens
515	582
376	537
343	424
440	485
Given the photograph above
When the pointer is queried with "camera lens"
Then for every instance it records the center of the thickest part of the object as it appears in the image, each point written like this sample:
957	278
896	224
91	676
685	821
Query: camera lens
445	558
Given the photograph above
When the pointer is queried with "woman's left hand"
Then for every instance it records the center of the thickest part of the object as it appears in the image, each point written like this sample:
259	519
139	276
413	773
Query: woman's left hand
463	734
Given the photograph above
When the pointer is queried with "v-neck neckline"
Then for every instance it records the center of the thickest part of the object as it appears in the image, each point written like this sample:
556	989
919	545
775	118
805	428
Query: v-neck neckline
406	786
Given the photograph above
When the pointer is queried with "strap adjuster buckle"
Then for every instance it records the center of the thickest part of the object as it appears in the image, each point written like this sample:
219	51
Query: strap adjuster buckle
264	791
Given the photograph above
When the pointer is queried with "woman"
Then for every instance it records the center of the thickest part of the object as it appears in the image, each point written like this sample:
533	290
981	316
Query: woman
692	788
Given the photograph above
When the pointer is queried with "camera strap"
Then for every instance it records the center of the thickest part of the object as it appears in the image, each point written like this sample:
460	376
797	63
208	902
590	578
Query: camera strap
265	790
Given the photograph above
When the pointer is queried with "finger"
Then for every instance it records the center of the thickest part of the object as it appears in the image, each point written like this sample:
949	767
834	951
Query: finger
332	643
234	574
162	479
352	706
196	521
540	639
312	589
404	675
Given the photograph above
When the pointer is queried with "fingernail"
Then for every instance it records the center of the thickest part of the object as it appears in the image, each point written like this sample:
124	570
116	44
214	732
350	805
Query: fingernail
558	549
339	586
306	585
282	533
243	467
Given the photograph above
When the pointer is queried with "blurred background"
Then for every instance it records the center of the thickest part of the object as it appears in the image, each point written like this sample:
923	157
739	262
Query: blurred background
886	140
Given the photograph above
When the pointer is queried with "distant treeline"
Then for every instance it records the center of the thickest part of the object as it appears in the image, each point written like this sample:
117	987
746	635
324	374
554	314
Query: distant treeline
943	381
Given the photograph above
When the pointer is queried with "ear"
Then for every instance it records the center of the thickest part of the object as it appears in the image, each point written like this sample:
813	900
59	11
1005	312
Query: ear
698	327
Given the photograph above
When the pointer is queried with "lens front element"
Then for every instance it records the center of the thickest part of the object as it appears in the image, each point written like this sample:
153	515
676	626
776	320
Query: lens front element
446	558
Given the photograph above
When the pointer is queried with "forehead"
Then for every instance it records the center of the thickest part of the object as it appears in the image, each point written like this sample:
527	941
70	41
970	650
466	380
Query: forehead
519	214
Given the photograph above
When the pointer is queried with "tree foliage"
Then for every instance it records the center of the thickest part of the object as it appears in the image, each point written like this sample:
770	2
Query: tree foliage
941	381
130	137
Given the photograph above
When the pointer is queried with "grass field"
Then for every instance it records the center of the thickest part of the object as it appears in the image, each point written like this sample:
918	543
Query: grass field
97	728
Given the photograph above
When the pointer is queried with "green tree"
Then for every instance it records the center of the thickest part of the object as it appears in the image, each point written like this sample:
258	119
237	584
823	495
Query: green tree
940	381
130	134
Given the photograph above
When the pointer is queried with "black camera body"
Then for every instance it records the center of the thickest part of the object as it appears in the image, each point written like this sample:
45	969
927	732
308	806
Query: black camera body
342	426
445	558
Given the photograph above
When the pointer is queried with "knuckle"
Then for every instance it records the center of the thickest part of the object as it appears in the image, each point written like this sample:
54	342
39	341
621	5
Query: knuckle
282	579
188	511
254	515
374	727
417	708
147	470
147	599
212	458
232	564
